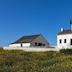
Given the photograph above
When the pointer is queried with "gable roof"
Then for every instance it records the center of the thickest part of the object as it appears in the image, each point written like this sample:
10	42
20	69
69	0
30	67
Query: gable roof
26	39
65	32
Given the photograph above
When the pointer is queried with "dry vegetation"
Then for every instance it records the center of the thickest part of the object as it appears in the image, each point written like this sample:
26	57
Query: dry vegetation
20	61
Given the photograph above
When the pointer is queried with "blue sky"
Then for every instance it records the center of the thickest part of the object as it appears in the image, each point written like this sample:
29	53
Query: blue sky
26	17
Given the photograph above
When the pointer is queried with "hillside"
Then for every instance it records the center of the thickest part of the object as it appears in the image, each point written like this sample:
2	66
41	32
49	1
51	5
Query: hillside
20	61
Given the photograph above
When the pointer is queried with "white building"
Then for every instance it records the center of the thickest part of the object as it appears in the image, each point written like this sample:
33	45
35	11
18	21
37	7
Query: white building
64	39
30	41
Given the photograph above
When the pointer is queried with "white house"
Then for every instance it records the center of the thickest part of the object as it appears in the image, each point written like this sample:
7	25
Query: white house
64	39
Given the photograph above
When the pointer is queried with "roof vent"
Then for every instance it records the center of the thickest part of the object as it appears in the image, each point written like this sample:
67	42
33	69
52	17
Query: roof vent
62	29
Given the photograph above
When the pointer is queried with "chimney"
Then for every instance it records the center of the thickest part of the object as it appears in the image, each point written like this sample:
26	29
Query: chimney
71	27
71	24
62	29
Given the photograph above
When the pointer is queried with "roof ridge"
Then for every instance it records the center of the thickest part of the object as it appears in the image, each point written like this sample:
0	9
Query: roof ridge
30	35
65	32
27	38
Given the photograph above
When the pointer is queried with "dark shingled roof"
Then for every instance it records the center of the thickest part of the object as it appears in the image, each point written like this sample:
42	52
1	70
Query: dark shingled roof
26	39
65	32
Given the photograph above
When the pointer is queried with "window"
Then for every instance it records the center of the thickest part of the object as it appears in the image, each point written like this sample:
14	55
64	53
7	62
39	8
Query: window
70	41
43	44
40	44
64	40
60	41
36	44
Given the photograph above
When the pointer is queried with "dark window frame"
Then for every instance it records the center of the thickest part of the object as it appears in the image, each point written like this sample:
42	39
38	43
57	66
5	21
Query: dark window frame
36	44
39	44
65	41
60	41
70	41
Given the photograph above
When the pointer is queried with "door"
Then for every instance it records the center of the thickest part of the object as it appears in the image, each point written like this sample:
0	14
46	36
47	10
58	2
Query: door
21	45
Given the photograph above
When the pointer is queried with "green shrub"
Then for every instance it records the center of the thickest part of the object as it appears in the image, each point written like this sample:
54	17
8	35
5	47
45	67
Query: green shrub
1	48
66	51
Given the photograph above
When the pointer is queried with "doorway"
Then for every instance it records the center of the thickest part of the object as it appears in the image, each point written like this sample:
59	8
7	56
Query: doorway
21	44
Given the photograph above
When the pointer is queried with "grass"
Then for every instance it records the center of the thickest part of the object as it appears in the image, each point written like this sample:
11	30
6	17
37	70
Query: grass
20	61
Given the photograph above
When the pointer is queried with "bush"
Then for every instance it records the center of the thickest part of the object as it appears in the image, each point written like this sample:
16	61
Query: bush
66	51
1	48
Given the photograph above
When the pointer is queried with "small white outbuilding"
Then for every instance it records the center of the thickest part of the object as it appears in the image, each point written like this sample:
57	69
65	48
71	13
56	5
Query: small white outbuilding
64	39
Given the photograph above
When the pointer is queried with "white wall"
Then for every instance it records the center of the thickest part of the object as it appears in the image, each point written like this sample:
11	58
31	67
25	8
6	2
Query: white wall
26	44
62	37
15	45
31	49
19	45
